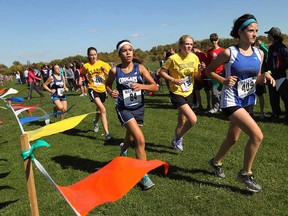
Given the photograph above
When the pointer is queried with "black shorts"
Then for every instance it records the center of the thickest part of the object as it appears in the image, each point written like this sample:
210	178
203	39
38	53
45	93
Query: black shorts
93	94
230	110
207	84
178	100
198	85
260	89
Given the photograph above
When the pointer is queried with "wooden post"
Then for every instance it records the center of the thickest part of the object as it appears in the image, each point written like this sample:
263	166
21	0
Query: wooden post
29	177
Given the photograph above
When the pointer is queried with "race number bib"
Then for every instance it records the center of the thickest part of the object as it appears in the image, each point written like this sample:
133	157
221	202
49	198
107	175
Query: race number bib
246	87
187	83
98	80
132	97
60	91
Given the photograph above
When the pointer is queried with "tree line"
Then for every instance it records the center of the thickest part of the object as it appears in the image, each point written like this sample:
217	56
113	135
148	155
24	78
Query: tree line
150	56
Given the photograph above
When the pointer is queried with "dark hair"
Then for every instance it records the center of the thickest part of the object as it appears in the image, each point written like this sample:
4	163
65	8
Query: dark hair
213	37
120	42
89	49
238	23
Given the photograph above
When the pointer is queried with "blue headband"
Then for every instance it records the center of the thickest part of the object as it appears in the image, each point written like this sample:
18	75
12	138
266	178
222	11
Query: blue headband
246	23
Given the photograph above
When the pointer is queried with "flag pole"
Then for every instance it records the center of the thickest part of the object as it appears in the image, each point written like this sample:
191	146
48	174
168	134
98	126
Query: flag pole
29	177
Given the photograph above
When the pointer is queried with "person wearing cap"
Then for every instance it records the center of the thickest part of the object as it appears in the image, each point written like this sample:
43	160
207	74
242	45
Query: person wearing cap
129	76
242	69
277	64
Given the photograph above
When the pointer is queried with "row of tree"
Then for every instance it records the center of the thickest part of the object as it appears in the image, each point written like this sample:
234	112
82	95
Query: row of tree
149	56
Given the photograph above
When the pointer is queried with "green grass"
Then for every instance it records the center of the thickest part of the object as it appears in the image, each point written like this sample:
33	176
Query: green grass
189	188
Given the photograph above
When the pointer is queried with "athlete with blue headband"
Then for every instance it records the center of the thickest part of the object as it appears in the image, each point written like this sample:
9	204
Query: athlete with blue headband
242	69
246	23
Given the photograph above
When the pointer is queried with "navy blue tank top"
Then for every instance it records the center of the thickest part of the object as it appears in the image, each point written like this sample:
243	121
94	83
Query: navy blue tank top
58	85
129	98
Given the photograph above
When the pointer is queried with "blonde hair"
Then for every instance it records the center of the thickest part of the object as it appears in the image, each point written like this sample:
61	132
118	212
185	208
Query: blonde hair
182	39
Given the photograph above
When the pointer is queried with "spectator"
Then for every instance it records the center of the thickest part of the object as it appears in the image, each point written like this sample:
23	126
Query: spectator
204	82
277	64
32	83
216	87
18	77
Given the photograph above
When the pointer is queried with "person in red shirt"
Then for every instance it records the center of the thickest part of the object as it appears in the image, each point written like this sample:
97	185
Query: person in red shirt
32	84
204	82
216	87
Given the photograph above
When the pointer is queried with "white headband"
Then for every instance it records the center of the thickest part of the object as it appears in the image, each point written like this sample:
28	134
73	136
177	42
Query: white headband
123	44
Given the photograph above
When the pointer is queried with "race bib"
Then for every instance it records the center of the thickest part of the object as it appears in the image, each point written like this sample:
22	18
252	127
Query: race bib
98	80
60	91
246	87
132	97
187	83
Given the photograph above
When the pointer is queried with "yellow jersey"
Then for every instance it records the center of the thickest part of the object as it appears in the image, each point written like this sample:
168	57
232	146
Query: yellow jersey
182	68
95	75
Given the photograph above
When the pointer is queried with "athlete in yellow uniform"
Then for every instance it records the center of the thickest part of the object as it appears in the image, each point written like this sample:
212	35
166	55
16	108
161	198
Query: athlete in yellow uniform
96	72
180	70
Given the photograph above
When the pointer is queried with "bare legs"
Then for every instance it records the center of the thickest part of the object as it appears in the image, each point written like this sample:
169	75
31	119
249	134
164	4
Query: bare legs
186	119
241	120
101	114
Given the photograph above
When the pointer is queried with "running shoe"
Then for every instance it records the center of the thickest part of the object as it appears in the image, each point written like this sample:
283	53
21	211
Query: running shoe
122	152
216	168
177	145
146	182
249	181
95	126
108	137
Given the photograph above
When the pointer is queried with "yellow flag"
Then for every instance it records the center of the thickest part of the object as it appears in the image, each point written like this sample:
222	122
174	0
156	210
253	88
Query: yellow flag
56	127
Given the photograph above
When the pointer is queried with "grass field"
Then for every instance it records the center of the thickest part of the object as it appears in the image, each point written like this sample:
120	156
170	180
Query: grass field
189	188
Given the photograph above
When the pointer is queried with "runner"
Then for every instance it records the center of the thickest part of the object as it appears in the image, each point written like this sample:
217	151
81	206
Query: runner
242	73
129	93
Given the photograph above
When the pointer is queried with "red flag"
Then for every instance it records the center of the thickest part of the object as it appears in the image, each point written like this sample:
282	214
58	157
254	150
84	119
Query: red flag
108	184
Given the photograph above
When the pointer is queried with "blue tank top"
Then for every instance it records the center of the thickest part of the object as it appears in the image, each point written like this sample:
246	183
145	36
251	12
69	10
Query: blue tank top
246	68
129	98
58	85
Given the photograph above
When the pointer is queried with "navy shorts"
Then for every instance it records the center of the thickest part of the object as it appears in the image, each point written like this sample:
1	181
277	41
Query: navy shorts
57	97
178	100
93	94
125	115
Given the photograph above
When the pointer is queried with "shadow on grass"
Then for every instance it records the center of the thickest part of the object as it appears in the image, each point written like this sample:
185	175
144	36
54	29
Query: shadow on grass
152	147
4	204
149	147
3	175
77	163
5	142
173	173
78	132
6	187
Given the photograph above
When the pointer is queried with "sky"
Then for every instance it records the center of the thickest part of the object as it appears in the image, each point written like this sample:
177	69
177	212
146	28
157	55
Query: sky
41	31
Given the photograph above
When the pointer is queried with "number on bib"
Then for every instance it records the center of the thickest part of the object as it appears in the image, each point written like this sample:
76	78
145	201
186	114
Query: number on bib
187	83
246	87
132	97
